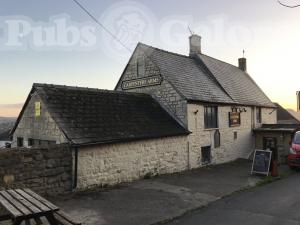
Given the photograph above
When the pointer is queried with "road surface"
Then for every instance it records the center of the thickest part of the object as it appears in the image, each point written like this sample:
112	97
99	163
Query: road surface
277	203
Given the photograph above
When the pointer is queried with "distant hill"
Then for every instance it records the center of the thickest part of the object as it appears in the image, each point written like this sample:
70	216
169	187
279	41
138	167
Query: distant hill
6	124
7	119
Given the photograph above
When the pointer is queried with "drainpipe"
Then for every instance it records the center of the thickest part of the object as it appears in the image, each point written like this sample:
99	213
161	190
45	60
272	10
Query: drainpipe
75	168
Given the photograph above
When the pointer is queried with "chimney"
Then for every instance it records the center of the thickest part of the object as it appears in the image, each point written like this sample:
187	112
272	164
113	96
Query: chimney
243	64
195	44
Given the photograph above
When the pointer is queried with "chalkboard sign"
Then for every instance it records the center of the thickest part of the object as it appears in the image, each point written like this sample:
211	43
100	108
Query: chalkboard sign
261	162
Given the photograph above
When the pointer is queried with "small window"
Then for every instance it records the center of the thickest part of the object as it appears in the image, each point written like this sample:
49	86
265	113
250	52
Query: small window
258	115
210	117
140	67
217	139
206	155
30	142
235	135
20	142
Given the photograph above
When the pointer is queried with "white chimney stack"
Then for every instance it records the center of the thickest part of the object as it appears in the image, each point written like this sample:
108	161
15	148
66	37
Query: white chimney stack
195	44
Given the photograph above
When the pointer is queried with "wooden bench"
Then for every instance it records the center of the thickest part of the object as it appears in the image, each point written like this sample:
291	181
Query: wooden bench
25	205
64	219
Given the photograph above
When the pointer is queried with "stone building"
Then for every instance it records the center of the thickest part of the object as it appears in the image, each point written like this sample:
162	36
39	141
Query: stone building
220	104
168	113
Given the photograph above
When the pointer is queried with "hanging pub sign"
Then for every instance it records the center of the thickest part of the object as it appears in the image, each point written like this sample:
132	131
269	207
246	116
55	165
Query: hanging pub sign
261	162
234	119
141	82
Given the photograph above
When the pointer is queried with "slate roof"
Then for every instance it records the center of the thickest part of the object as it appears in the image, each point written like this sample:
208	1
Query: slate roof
289	128
90	116
202	78
284	116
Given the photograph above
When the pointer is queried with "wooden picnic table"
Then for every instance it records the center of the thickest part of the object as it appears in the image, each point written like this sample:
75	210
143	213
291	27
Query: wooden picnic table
25	205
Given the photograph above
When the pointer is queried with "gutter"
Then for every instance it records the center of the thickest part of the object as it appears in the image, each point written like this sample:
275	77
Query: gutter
75	171
122	140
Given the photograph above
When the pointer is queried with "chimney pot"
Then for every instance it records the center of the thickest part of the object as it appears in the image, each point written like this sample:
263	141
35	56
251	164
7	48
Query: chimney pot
243	64
195	44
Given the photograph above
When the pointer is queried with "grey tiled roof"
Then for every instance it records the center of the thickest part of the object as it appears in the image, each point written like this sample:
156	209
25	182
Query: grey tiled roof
237	83
89	116
202	78
284	116
188	76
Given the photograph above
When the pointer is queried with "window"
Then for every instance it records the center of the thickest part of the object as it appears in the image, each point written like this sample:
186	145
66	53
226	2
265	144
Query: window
206	155
217	139
30	142
235	135
258	115
210	117
20	142
140	67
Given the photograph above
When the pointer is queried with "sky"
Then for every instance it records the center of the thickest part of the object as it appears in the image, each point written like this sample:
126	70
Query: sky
43	41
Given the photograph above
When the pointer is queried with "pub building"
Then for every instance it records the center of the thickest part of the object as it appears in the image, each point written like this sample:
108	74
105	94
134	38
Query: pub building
168	113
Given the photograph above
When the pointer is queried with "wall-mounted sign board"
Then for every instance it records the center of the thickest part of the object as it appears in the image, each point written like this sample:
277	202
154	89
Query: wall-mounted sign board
261	162
234	119
37	109
141	82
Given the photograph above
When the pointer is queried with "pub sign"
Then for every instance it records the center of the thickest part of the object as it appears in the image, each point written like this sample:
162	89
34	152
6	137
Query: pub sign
234	119
142	82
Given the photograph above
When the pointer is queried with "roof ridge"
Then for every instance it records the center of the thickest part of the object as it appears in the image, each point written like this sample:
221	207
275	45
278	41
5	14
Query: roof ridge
159	49
87	89
222	62
211	75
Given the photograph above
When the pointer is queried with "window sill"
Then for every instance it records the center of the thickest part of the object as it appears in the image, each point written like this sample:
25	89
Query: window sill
210	129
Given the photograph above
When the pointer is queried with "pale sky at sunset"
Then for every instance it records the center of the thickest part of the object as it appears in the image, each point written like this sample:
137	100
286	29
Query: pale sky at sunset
269	33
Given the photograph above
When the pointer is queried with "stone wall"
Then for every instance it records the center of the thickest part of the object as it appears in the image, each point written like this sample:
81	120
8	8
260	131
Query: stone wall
166	95
268	116
124	162
230	148
47	171
282	141
42	127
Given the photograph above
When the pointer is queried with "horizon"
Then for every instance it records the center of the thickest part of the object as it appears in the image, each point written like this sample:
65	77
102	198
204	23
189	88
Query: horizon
269	37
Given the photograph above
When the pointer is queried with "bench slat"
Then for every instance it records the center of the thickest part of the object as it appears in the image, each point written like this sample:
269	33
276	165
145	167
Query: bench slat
24	201
15	212
66	217
16	203
35	202
41	199
61	221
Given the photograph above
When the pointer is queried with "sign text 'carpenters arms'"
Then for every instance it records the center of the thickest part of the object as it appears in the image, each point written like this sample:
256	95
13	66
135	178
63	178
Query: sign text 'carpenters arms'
141	82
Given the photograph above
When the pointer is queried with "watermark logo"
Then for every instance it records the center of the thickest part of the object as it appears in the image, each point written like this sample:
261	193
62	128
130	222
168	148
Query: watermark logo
125	24
130	22
60	33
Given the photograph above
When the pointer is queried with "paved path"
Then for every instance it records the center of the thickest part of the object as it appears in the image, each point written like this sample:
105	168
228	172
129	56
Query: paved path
147	202
277	203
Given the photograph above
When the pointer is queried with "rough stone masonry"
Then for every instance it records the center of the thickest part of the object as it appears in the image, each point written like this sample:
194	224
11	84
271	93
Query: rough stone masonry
47	171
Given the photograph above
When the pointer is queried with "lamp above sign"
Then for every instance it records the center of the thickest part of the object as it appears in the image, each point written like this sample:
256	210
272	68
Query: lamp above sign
142	82
234	119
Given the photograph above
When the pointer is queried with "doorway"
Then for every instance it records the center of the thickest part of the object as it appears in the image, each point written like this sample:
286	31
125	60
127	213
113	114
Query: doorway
206	155
271	144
